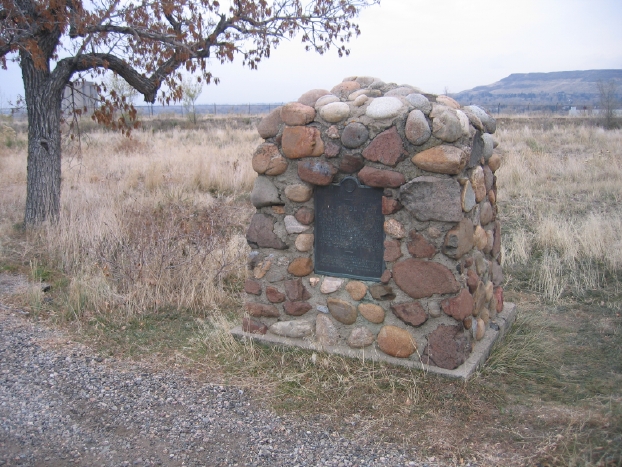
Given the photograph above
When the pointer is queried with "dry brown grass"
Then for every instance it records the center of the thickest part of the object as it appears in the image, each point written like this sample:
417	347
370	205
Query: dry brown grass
148	262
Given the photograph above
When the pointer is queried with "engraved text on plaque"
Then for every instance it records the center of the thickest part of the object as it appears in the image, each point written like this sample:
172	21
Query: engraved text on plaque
349	235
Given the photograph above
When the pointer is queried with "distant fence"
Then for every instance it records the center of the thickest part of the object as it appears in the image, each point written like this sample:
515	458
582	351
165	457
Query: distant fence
578	110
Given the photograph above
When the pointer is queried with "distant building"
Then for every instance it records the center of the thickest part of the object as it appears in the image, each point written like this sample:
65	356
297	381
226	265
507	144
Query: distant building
80	94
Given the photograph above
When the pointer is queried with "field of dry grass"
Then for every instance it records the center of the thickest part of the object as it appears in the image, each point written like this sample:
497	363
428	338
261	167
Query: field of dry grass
148	262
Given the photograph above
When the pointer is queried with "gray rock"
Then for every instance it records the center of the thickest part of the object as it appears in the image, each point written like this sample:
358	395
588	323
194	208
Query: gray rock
325	331
488	146
295	329
489	123
420	102
401	91
432	198
292	226
354	135
446	125
264	193
417	130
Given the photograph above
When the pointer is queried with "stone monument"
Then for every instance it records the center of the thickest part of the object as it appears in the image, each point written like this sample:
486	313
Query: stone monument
376	232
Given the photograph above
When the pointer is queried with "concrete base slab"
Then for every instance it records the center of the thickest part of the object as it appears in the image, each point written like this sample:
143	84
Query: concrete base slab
481	349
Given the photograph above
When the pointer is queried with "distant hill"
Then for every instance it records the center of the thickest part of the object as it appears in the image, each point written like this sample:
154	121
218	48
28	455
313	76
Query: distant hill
576	88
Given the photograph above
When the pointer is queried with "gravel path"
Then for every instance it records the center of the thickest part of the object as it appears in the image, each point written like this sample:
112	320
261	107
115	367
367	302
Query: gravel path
62	405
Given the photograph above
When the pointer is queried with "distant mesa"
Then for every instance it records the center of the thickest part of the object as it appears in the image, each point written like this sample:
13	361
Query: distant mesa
560	87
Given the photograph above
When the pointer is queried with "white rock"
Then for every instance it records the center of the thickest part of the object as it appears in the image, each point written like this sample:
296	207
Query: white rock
294	329
292	226
385	107
464	122
335	112
420	102
327	99
330	284
322	309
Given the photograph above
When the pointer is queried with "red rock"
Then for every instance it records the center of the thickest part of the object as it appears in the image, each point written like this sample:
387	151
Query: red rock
498	293
459	307
310	97
381	178
253	326
274	296
390	206
381	292
268	127
392	250
386	148
296	308
305	215
459	240
396	342
295	113
302	141
260	233
259	309
419	247
317	172
252	287
421	279
331	149
351	163
301	267
386	276
411	313
448	347
296	291
472	280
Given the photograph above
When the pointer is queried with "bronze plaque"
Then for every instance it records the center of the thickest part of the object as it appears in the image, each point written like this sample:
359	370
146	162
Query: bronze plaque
349	234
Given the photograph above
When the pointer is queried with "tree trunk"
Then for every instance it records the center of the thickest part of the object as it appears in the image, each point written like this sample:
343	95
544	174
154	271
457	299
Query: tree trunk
43	102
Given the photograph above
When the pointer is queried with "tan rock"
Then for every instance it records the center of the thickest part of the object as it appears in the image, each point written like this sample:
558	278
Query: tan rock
480	329
448	101
467	322
459	240
443	159
278	209
304	242
480	238
311	97
488	289
371	312
268	160
341	310
295	114
478	183
269	126
396	342
262	268
301	267
394	228
356	289
344	89
485	315
314	281
302	141
360	337
298	193
331	284
494	162
479	298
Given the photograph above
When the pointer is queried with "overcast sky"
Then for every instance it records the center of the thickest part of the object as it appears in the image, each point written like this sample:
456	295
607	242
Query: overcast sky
432	44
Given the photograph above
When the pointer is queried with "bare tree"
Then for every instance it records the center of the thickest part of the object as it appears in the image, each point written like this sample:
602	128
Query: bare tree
147	43
191	91
608	100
